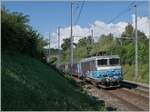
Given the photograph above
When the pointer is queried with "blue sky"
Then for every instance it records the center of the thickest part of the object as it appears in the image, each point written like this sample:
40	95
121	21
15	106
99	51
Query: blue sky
47	16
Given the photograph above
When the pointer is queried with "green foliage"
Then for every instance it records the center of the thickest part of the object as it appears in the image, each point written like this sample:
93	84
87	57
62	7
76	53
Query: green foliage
66	44
53	51
106	42
127	54
128	73
65	57
28	84
128	33
18	36
85	41
79	53
143	50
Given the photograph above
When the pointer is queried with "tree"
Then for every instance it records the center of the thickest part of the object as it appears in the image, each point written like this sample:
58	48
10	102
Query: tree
18	35
66	44
128	33
85	41
128	49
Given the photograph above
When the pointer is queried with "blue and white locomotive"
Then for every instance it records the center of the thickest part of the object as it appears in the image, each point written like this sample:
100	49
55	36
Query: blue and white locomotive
104	70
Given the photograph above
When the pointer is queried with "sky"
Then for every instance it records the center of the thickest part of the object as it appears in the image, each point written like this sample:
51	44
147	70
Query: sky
47	16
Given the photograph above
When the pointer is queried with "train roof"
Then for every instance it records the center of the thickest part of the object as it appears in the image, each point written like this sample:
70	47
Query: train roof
99	57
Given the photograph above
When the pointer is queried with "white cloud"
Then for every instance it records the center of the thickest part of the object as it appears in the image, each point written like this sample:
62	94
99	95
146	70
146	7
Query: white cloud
142	24
78	33
99	28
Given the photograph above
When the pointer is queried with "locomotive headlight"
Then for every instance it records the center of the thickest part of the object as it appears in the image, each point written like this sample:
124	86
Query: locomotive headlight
107	79
111	79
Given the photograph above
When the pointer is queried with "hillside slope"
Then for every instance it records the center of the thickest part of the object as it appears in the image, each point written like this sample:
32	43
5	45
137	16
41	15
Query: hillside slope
28	84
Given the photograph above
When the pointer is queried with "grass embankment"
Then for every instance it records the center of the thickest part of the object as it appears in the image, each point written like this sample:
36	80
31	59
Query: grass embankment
143	77
28	84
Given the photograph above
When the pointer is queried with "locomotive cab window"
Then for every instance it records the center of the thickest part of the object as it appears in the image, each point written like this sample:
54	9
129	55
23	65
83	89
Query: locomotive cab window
102	62
114	61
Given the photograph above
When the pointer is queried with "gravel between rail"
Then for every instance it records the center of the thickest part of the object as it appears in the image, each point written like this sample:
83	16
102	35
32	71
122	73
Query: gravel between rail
120	99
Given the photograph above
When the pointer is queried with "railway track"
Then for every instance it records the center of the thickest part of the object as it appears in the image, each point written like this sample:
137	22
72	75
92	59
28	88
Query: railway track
136	87
133	101
124	98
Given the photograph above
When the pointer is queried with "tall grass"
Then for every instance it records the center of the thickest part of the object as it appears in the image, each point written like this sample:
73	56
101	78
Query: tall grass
28	84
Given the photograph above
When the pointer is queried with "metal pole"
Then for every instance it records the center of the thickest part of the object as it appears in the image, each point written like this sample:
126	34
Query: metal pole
136	45
49	49
92	34
58	62
71	38
149	44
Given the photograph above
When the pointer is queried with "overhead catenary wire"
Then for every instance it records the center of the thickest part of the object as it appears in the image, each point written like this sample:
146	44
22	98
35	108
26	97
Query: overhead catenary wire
81	8
129	7
113	19
75	11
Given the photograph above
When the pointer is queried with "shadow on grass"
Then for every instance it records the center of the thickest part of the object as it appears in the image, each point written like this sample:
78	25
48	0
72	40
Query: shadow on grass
128	85
110	109
97	103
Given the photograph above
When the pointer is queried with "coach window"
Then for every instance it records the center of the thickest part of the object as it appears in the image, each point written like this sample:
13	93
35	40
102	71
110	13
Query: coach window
91	65
102	62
